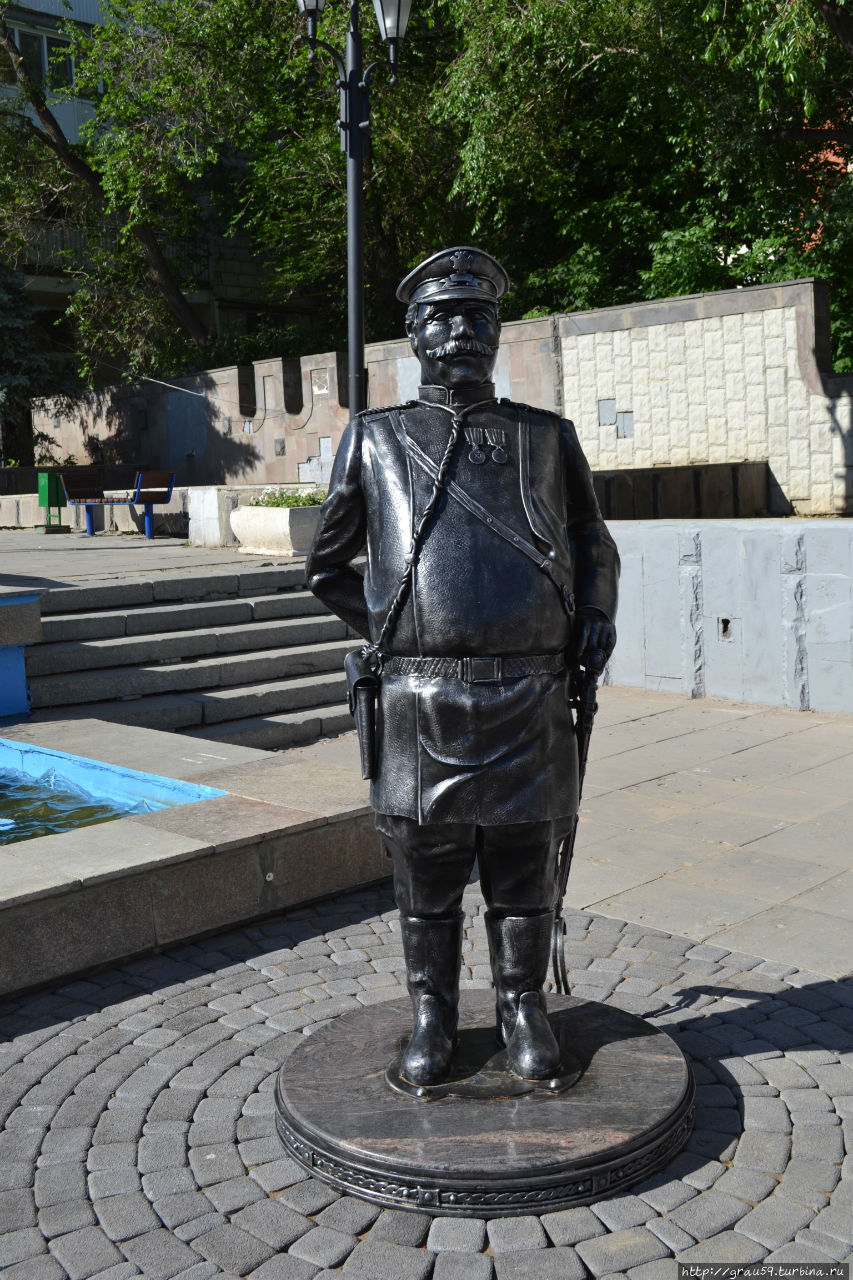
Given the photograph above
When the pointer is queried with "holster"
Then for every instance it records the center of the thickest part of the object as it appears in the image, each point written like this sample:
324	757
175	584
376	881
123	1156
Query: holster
362	692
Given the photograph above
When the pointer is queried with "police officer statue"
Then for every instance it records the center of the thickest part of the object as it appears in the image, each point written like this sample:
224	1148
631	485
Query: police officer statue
489	573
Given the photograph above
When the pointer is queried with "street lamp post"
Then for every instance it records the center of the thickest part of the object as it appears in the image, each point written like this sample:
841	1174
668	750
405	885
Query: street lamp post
354	123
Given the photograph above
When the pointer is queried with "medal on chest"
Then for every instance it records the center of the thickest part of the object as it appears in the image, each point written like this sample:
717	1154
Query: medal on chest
480	438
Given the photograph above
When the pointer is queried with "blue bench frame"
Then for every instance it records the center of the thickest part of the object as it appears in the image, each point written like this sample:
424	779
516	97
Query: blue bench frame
92	496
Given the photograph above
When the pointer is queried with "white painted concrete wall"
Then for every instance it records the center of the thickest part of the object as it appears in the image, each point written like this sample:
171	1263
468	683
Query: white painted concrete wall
756	610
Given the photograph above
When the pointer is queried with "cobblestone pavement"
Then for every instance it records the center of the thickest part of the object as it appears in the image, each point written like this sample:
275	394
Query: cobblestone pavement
139	1138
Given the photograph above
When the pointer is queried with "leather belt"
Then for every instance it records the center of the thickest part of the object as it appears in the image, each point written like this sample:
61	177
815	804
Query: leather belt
474	670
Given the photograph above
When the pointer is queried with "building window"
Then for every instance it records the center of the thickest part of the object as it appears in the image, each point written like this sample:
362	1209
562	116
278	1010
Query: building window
60	69
47	59
625	425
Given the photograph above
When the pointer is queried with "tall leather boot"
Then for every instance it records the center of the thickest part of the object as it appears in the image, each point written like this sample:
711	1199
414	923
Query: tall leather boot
520	948
433	951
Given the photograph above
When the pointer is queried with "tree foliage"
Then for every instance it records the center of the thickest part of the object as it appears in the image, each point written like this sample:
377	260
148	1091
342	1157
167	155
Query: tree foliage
605	152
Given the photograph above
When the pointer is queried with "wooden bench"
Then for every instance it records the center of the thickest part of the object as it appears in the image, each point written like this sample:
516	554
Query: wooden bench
83	489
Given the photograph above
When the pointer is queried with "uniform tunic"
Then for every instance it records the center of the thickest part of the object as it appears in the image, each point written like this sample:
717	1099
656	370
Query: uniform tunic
490	752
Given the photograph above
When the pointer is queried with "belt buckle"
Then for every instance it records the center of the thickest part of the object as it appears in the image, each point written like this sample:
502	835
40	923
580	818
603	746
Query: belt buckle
482	669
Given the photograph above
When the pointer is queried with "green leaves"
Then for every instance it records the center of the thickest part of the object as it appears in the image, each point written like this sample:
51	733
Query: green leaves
606	151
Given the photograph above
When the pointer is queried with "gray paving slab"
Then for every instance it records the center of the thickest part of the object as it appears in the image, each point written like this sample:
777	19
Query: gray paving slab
622	1211
284	1267
159	1253
728	1247
835	1221
772	1222
394	1226
16	1246
672	1236
829	1244
667	1194
621	1250
798	1254
324	1246
508	1235
273	1222
308	1197
122	1217
568	1226
661	1270
73	559
349	1215
42	1268
201	1271
381	1261
460	1235
556	1264
85	1252
462	1266
232	1249
59	1219
814	1142
188	1231
766	1152
221	1090
747	1184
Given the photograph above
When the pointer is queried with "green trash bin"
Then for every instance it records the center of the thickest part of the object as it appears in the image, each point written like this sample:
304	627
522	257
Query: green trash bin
51	494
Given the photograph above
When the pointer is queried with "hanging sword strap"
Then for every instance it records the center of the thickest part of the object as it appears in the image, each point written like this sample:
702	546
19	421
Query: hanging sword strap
583	687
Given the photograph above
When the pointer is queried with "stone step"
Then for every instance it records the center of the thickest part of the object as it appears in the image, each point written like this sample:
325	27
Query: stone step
111	624
110	683
170	712
176	712
272	697
177	646
159	589
275	732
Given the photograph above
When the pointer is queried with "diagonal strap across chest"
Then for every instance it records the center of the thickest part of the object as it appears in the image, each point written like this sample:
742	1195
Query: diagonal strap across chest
460	495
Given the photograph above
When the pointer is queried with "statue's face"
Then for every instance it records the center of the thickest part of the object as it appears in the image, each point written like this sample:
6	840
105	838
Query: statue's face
456	342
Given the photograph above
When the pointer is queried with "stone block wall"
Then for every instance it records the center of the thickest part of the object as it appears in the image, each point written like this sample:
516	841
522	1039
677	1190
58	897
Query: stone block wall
743	375
740	375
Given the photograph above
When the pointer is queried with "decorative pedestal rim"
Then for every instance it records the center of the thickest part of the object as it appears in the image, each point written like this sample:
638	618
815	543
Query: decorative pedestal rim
550	1180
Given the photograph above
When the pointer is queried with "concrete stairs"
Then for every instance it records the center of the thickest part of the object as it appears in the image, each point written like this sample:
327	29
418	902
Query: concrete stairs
247	656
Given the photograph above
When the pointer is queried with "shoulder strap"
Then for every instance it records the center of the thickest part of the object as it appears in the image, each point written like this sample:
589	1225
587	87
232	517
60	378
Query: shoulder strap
372	652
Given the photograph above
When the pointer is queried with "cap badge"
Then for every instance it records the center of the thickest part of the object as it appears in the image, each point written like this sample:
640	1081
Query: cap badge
463	264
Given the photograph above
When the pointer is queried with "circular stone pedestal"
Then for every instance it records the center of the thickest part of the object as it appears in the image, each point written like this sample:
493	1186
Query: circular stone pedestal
629	1112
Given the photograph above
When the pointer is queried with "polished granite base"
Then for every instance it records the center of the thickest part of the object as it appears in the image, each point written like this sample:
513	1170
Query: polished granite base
486	1143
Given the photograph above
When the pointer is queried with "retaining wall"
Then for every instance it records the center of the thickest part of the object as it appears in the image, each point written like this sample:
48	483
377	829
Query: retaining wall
760	611
743	375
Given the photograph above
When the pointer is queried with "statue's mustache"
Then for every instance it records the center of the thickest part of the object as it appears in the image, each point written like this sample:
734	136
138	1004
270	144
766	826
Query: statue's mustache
459	346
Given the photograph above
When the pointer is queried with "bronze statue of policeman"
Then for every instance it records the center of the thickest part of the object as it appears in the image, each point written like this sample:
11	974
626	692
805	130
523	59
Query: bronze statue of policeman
489	574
